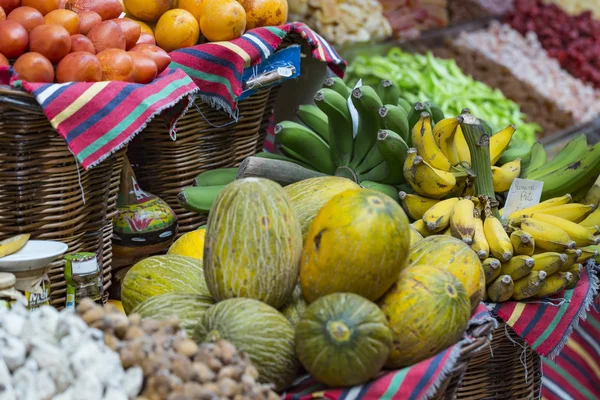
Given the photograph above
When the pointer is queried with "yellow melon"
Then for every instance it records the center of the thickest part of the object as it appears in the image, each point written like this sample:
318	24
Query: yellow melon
190	244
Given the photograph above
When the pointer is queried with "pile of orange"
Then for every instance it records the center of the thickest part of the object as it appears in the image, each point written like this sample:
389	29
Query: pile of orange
179	23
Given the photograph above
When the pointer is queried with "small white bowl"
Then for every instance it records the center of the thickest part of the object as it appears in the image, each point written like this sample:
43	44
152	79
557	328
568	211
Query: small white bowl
34	255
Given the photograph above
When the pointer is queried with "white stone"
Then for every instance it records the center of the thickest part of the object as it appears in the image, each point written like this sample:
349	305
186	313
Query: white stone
12	350
13	323
132	384
7	391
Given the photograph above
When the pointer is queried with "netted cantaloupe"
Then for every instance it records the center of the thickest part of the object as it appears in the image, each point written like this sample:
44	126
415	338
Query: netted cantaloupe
162	274
358	243
257	329
294	309
310	195
188	308
428	310
253	243
455	256
343	339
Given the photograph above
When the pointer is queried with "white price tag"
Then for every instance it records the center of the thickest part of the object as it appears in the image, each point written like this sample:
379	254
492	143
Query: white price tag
523	193
85	267
353	111
286	72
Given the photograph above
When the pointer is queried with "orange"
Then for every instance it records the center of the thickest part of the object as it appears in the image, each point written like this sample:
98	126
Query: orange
265	12
194	7
148	10
145	27
176	29
222	20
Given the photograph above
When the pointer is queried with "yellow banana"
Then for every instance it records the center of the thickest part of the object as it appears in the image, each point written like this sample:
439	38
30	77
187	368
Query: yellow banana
499	143
529	286
438	216
592	220
462	221
554	284
480	244
503	177
523	243
415	236
516	217
594	230
443	133
551	262
518	267
587	253
547	236
491	268
572	257
593	194
426	180
415	205
501	289
421	228
498	240
574	212
576	232
447	232
576	271
423	140
461	147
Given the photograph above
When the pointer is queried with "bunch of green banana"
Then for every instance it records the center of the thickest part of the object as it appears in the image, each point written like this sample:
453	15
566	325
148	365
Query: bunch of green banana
573	170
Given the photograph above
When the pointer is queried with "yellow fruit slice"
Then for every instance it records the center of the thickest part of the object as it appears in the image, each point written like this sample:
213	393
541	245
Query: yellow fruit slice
190	245
13	244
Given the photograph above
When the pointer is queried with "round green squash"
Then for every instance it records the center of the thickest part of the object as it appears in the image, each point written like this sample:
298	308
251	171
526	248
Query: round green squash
343	339
358	243
253	243
456	257
294	309
257	329
186	307
310	195
428	310
162	274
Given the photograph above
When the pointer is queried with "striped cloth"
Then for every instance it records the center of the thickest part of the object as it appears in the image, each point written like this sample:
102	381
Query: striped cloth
547	325
217	67
97	119
419	382
575	373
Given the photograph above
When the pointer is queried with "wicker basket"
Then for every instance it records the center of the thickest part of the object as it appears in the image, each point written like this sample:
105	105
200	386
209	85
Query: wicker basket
41	188
206	139
508	369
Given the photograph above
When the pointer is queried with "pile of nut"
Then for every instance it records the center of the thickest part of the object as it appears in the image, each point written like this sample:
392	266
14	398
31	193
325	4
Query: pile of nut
341	22
47	355
175	367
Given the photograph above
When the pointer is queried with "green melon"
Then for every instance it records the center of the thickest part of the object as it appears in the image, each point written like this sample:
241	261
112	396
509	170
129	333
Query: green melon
253	243
186	307
257	329
294	309
162	274
428	310
455	256
343	339
310	195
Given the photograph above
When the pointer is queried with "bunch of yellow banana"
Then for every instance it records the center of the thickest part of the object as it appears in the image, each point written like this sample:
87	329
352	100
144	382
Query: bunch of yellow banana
438	164
541	253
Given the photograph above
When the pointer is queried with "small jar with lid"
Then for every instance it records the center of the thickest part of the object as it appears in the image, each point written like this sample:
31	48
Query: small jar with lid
82	275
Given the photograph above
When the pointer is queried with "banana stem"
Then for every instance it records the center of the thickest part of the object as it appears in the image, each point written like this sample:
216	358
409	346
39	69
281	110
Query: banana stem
479	146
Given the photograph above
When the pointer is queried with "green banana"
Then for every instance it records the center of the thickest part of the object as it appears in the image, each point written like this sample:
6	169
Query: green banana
199	199
436	112
378	174
415	114
216	177
395	119
274	156
385	189
405	105
388	92
338	85
518	148
537	158
573	151
306	143
315	119
394	151
367	104
341	140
